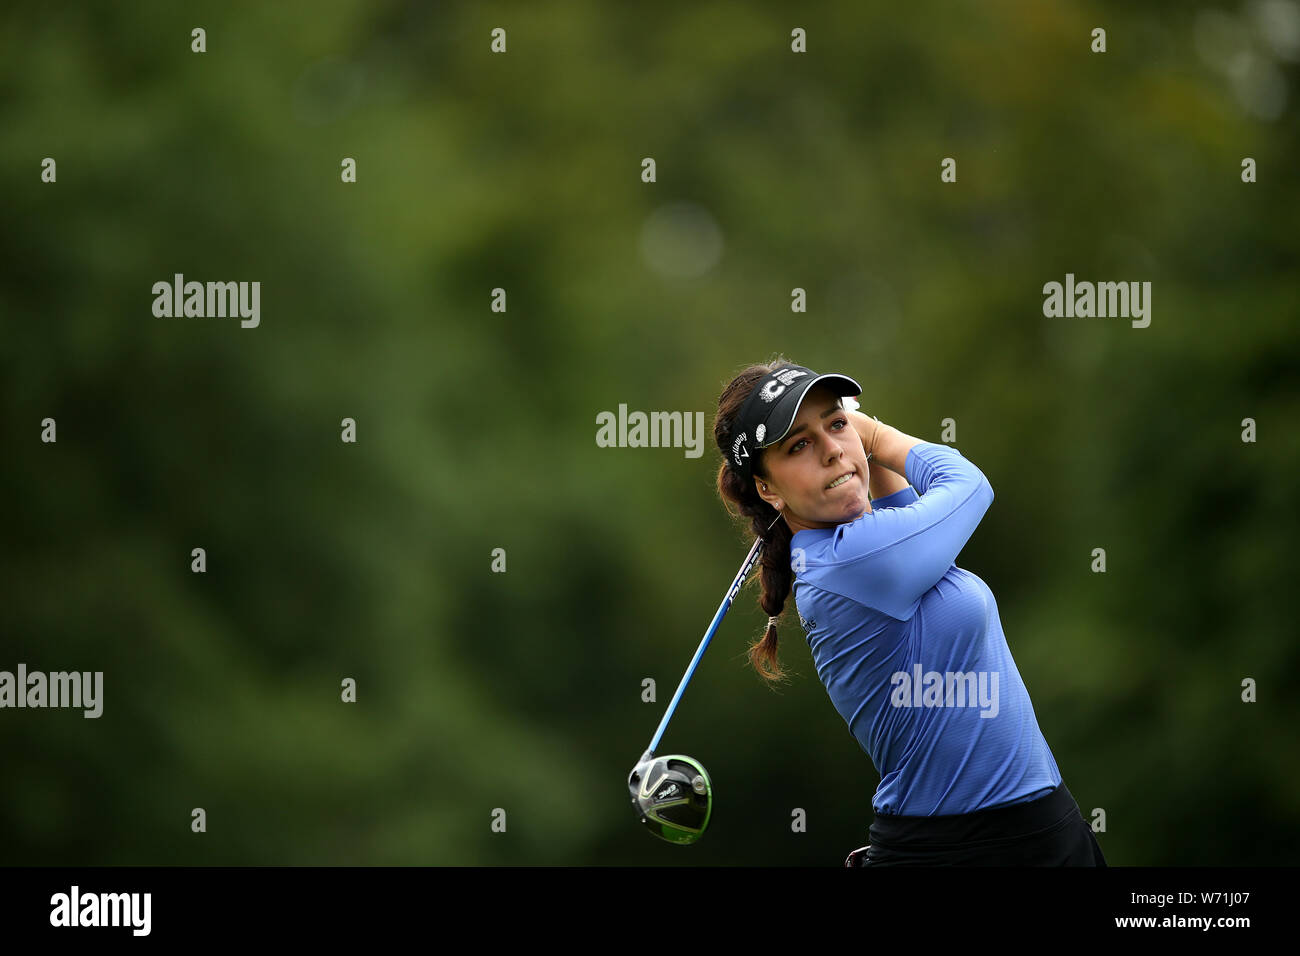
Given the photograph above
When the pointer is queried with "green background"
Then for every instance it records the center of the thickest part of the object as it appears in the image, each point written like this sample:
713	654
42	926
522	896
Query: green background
476	429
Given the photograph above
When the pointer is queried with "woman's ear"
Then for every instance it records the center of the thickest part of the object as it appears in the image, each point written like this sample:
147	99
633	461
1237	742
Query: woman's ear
765	492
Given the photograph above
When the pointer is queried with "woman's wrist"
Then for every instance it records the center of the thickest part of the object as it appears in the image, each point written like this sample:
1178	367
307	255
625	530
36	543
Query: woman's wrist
875	433
866	427
892	447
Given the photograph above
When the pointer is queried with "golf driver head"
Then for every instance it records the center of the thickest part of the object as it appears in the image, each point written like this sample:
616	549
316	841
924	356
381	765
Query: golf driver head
672	797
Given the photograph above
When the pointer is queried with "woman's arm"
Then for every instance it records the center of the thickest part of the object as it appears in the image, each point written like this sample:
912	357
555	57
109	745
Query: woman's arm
884	480
891	560
891	445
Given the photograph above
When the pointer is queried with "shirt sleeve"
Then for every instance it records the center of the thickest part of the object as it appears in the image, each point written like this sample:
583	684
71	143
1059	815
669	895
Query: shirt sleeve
889	558
895	499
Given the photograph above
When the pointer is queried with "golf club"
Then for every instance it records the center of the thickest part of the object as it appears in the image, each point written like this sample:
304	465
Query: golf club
673	795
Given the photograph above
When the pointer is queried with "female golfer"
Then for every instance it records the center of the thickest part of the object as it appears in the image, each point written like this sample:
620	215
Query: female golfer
909	646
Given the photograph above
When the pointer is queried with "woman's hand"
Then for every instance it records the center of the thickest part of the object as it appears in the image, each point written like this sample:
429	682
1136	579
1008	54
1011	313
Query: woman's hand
880	480
864	425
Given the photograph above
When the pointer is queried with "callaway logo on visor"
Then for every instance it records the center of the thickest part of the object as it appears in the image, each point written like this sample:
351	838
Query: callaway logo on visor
772	391
738	448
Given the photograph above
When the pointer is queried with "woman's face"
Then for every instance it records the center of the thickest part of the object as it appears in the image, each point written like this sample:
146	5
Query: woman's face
821	446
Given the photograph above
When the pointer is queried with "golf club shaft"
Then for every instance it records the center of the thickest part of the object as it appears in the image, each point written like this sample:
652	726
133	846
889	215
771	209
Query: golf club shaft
708	636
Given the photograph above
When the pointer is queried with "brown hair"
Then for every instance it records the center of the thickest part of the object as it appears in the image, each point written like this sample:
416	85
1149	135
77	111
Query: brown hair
775	573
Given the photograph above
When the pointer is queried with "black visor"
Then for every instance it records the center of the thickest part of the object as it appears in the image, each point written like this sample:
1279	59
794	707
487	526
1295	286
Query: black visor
771	409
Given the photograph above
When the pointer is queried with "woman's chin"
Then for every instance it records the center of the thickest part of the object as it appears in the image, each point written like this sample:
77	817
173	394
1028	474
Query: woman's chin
853	505
849	511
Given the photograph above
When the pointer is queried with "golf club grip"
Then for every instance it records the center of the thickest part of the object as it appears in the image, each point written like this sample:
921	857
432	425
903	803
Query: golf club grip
745	568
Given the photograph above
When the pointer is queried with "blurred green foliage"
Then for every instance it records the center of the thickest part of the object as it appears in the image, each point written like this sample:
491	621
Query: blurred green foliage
476	428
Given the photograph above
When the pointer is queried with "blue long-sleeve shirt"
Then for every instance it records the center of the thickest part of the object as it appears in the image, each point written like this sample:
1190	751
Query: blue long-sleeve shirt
911	651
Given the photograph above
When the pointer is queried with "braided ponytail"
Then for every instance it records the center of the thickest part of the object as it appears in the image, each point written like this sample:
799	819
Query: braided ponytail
775	573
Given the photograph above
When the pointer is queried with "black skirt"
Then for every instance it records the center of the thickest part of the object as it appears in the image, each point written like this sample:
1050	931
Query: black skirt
1049	831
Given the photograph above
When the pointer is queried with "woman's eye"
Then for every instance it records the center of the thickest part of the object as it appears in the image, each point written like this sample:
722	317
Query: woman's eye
799	444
